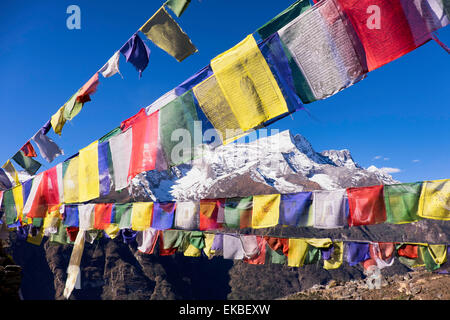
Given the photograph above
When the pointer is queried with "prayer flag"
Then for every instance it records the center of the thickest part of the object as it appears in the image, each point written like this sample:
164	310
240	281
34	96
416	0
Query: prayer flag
320	39
266	209
47	147
141	215
58	120
72	107
73	271
177	6
102	215
366	206
70	180
297	252
232	247
88	173
28	150
293	207
147	240
9	207
5	183
248	84
434	202
71	216
136	52
29	164
209	210
238	212
35	202
408	250
122	215
112	66
187	215
336	258
194	80
356	252
402	202
128	123
164	32
382	28
283	18
121	146
163	215
87	216
329	209
438	252
11	171
104	168
88	89
144	147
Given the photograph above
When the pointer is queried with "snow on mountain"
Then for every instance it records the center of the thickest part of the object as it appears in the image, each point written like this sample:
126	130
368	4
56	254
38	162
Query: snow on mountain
281	163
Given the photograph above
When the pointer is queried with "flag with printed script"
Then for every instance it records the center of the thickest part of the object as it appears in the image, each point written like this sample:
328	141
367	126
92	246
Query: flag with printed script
187	215
434	202
266	209
294	207
163	215
48	149
136	52
402	202
141	215
70	180
238	212
209	213
164	32
325	50
88	173
329	209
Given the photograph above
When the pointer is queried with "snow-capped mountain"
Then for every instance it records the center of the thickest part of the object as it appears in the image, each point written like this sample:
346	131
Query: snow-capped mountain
281	163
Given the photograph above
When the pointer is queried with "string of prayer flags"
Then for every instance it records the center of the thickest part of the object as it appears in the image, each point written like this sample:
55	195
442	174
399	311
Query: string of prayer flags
324	49
29	164
164	32
111	67
434	202
136	52
283	18
401	202
366	206
177	6
382	28
329	209
266	209
294	208
248	84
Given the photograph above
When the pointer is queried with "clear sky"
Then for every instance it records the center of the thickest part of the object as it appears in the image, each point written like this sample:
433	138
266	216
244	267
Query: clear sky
397	117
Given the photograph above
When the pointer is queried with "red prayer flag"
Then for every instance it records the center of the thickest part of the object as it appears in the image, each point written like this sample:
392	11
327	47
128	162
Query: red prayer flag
28	150
125	124
50	187
72	232
144	144
382	28
87	89
408	251
278	243
261	258
366	206
102	215
162	251
209	210
38	207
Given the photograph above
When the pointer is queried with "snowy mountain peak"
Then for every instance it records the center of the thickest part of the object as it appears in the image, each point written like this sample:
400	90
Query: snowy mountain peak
342	158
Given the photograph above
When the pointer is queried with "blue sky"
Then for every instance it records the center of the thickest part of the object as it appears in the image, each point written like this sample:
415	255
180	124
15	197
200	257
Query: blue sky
397	117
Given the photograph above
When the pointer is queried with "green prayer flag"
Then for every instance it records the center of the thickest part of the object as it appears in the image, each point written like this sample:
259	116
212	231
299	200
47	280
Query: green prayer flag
402	202
123	215
282	19
427	258
9	206
238	212
61	236
313	255
29	164
274	256
196	239
177	117
72	107
110	134
178	6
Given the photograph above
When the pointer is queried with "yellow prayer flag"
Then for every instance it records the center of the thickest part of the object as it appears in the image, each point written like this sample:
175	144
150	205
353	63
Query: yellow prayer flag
18	200
141	215
9	168
298	248
434	202
57	121
88	175
37	239
266	210
248	84
438	252
192	251
336	259
164	32
70	181
320	243
112	230
209	240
